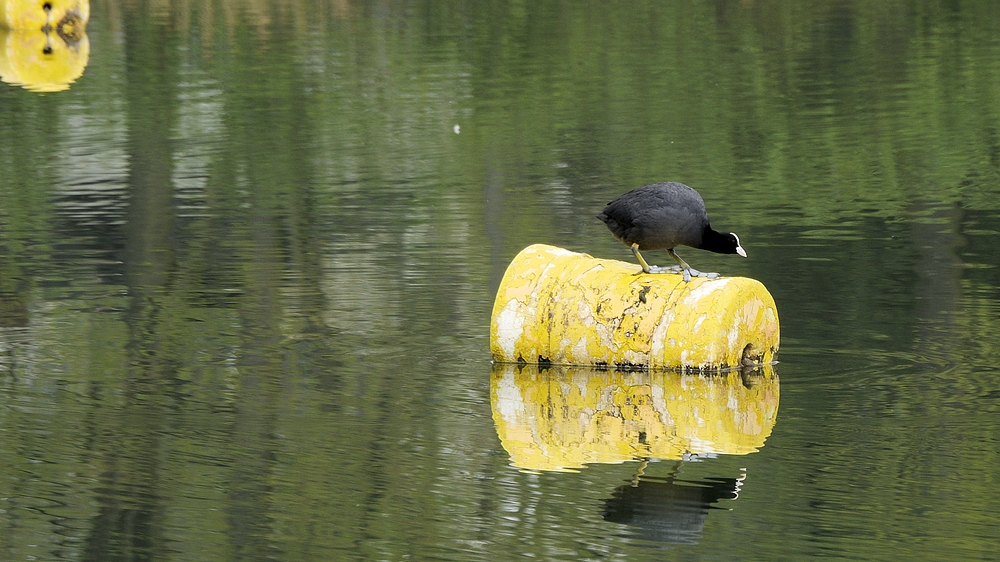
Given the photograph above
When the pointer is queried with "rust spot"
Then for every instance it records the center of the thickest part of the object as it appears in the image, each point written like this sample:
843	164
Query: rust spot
642	293
70	28
751	356
628	367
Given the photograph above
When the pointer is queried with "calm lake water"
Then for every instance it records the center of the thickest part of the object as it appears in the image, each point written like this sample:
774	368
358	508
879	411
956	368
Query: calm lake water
248	261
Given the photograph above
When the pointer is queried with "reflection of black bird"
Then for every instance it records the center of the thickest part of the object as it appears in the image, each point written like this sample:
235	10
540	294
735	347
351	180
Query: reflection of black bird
668	510
662	216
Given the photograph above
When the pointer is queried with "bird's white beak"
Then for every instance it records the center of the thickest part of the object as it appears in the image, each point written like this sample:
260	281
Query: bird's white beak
739	249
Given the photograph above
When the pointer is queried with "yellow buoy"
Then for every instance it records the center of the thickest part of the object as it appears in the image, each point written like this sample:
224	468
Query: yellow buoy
60	16
563	418
560	307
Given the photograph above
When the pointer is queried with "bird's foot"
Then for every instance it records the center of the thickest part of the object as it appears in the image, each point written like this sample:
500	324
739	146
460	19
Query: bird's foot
676	269
658	269
690	272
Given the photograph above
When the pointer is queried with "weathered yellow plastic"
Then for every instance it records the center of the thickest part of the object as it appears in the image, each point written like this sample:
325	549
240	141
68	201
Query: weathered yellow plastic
30	15
562	418
560	307
42	62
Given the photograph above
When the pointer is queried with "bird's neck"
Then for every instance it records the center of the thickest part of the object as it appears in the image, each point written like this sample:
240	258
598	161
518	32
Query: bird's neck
715	241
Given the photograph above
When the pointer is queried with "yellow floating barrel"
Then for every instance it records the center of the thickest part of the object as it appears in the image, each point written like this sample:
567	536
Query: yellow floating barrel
60	16
563	418
43	43
560	307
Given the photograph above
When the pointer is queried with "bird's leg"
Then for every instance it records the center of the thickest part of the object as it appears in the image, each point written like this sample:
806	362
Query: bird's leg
685	268
638	256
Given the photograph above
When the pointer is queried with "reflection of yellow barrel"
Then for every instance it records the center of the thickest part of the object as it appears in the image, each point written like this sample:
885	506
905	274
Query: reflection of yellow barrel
560	307
563	418
43	62
35	15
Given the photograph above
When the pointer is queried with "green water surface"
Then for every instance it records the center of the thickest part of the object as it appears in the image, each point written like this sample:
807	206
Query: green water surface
248	261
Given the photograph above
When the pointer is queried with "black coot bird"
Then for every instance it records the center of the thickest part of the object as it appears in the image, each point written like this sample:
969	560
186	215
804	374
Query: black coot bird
662	216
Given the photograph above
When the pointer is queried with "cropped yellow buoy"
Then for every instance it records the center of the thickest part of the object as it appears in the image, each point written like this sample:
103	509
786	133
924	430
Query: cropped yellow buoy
563	418
555	306
60	16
